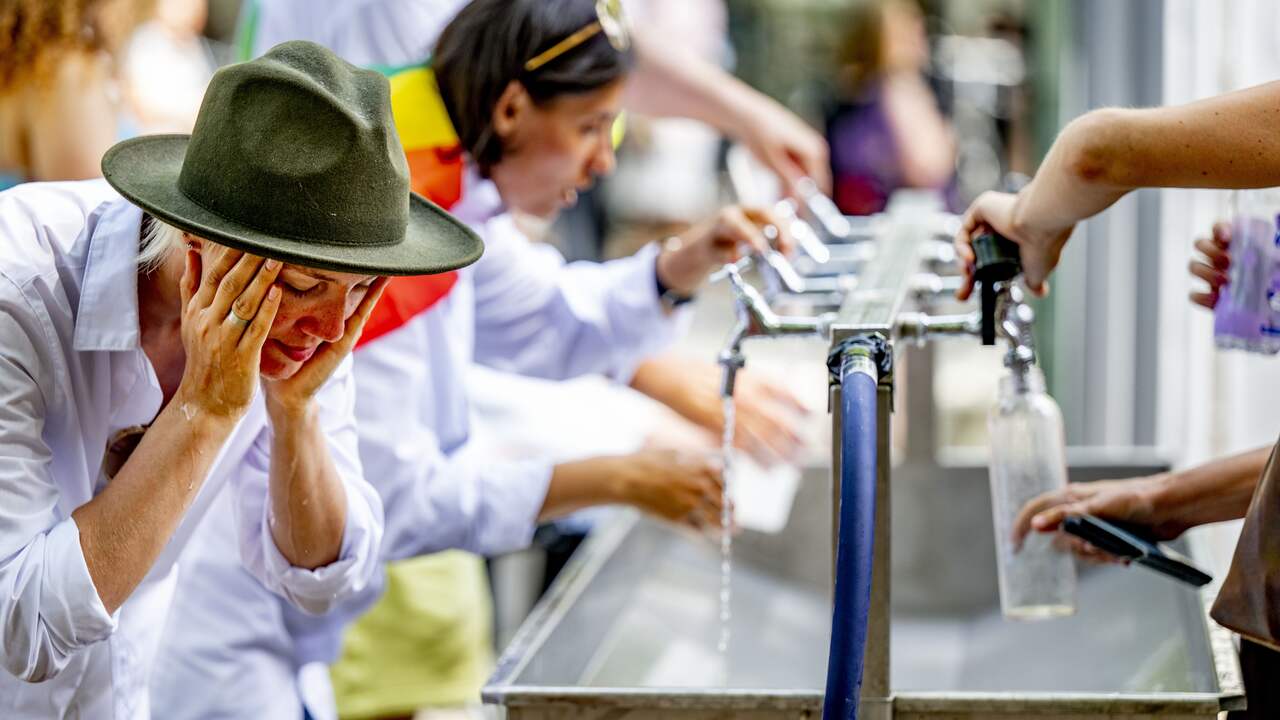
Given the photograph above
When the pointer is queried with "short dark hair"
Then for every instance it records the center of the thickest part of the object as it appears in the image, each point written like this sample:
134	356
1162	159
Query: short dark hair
486	46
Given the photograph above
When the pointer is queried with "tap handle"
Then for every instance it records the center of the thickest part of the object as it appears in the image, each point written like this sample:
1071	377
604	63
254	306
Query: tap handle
997	257
996	260
824	210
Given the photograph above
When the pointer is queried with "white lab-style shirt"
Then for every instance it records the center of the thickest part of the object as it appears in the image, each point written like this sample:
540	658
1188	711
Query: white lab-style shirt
72	374
521	308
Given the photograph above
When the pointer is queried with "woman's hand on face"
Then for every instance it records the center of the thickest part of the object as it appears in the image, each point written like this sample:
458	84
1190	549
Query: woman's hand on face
296	391
997	211
227	314
1212	265
686	488
720	239
1129	501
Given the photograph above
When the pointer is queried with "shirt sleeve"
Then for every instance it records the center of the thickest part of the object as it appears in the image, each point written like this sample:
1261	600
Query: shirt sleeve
49	607
314	590
537	315
438	497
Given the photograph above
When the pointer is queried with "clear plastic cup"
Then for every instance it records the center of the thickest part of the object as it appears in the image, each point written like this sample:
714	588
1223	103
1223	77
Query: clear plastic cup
1247	316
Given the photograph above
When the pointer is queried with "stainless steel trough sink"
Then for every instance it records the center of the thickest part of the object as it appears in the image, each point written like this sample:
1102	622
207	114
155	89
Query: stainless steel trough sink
630	629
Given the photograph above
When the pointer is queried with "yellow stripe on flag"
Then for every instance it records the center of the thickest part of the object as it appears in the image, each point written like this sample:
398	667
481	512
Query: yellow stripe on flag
420	116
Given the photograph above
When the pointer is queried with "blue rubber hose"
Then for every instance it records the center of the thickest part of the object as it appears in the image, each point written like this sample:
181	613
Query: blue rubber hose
855	540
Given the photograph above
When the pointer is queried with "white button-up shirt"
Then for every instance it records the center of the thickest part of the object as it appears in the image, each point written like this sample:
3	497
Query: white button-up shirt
521	308
72	374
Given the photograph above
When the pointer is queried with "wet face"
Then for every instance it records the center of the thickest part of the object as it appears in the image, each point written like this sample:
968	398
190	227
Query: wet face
314	308
553	151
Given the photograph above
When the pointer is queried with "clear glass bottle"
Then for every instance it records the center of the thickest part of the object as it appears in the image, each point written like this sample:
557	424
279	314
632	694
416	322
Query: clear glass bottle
1028	458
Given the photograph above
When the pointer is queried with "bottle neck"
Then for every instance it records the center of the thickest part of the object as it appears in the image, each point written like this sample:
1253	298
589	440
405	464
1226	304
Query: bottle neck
1023	381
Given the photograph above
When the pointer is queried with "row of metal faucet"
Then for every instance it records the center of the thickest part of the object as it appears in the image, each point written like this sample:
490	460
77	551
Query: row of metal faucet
825	277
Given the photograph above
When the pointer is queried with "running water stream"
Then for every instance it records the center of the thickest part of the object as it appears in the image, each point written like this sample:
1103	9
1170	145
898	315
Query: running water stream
726	529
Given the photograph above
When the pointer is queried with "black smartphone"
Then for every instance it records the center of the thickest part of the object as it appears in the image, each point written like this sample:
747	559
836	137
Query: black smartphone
1133	543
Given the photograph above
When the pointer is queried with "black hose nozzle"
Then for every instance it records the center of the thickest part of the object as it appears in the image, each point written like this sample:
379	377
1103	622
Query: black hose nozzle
996	260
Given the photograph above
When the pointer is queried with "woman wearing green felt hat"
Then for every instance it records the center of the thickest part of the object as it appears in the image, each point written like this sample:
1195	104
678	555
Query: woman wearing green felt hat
157	346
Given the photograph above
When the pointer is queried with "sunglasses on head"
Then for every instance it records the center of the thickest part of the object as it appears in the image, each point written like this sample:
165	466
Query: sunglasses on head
610	20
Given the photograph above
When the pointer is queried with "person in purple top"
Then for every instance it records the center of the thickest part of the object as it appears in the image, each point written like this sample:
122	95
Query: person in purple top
886	132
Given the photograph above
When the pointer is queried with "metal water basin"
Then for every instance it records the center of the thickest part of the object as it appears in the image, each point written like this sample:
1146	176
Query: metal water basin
629	632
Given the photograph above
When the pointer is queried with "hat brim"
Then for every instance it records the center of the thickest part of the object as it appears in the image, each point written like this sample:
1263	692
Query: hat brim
145	170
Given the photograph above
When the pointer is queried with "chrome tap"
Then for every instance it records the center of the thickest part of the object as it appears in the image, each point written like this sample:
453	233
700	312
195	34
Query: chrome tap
778	272
833	221
801	231
756	319
929	287
1016	321
921	328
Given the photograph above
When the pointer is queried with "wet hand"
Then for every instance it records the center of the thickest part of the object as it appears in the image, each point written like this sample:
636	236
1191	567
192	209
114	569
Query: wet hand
767	418
1129	501
767	414
723	238
227	313
296	391
1040	248
682	487
1212	264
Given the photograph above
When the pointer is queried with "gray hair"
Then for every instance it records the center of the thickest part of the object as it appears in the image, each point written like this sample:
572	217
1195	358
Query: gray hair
159	240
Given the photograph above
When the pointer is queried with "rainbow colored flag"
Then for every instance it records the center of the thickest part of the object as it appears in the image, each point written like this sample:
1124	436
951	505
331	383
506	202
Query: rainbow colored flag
430	143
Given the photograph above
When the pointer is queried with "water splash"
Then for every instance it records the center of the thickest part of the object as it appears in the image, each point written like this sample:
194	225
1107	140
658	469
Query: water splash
726	530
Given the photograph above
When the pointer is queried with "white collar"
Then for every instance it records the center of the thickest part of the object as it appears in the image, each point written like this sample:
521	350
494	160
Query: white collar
107	317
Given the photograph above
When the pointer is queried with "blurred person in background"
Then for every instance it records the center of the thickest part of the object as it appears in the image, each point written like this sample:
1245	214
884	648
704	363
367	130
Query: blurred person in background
167	64
60	99
1224	142
529	91
886	132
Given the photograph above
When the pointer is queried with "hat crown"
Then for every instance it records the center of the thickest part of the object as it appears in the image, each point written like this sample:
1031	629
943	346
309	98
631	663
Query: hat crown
300	144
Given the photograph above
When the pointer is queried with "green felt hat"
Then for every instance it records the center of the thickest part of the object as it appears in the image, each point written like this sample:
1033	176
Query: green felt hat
295	157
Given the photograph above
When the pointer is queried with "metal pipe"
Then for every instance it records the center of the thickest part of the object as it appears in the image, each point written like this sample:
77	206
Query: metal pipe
920	328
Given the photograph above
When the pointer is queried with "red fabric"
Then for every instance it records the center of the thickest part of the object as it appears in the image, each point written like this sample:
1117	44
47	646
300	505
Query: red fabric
437	174
404	299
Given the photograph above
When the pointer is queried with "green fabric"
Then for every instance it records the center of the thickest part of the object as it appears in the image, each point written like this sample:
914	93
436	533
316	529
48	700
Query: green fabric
426	643
246	30
392	70
8	180
295	156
